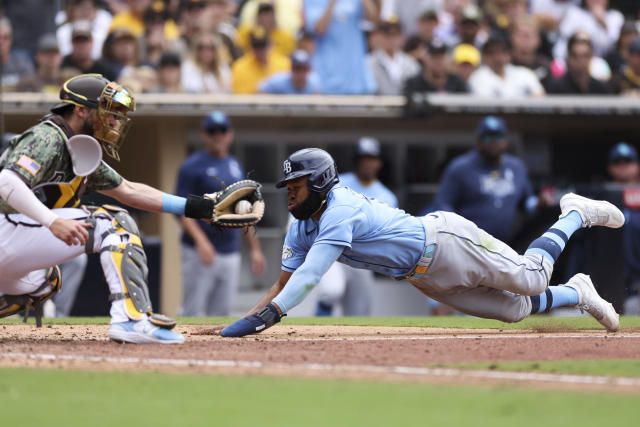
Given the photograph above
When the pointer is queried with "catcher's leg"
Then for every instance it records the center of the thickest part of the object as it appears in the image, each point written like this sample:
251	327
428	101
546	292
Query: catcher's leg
125	267
50	285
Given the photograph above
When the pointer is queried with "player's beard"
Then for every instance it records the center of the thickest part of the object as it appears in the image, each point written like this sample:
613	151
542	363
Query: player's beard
308	207
88	124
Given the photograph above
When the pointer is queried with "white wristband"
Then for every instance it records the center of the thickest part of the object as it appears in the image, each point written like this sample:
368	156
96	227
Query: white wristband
15	192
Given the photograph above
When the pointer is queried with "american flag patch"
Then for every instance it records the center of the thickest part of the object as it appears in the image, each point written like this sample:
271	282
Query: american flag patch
29	164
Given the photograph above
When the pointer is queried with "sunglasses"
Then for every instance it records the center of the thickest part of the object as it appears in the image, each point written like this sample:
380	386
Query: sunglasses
490	138
217	129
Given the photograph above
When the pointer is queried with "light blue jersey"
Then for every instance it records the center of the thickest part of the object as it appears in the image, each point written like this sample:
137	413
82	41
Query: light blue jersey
375	190
374	235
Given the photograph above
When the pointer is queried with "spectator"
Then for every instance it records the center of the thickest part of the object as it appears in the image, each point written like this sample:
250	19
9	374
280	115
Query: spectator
405	11
498	78
427	24
468	27
13	67
487	185
169	74
524	35
435	76
602	24
300	80
577	80
415	48
618	57
31	20
351	287
211	258
466	59
627	81
154	43
83	10
215	19
47	77
133	18
340	55
257	64
549	13
391	67
288	14
80	57
624	170
282	41
122	51
306	42
203	71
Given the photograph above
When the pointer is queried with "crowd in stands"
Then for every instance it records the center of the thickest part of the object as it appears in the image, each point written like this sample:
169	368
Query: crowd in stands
497	48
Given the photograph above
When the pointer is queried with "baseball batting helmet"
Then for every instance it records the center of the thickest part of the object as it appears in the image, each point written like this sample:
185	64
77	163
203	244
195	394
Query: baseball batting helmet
312	162
112	101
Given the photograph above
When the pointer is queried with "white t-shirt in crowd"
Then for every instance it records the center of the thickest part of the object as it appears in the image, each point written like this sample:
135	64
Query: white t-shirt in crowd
517	81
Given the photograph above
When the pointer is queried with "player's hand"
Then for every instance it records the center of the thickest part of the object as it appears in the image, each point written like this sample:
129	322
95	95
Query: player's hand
70	231
264	318
214	330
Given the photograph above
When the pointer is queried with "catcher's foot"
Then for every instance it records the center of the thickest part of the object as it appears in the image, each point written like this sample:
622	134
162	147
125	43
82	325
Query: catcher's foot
143	332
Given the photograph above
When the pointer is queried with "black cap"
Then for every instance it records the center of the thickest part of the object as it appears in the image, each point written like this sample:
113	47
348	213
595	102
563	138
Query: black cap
259	37
265	7
436	47
169	58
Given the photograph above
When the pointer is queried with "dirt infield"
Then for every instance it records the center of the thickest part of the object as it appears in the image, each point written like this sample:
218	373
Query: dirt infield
378	353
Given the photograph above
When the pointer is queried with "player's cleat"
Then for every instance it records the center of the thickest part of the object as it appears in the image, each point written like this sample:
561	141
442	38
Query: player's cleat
592	303
592	212
143	332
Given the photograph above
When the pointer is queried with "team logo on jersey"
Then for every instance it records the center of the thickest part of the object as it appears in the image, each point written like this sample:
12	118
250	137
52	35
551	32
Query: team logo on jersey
286	252
28	164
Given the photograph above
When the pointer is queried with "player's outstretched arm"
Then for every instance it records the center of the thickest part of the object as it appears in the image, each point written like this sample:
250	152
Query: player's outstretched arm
302	281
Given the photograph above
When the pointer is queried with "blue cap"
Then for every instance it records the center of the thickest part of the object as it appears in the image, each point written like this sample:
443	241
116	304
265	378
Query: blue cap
491	126
622	150
216	120
368	146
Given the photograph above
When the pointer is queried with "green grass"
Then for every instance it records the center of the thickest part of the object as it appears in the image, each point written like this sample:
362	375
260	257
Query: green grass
540	323
67	398
609	367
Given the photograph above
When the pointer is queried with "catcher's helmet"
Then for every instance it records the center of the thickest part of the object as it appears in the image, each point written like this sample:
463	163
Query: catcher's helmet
112	101
312	162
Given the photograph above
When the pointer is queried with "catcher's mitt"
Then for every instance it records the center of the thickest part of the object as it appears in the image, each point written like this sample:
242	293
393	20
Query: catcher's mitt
224	208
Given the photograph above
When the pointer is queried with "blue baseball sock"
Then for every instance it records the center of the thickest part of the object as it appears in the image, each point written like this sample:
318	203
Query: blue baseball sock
554	296
551	244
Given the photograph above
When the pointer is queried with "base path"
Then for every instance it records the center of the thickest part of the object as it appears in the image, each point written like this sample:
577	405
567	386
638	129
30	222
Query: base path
380	353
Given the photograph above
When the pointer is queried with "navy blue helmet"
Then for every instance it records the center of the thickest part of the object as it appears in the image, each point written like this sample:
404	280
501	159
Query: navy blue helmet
312	162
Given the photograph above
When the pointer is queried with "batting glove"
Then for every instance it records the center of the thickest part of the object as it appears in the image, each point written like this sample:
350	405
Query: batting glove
265	318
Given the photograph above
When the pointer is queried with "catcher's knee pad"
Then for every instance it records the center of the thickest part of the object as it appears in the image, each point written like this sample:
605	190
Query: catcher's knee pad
121	223
12	304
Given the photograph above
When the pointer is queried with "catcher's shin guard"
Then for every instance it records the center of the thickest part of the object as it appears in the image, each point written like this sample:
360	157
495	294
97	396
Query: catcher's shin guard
12	304
130	262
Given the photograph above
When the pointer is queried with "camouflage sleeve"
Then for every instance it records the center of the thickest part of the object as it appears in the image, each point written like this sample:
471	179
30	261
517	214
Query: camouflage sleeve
104	178
34	154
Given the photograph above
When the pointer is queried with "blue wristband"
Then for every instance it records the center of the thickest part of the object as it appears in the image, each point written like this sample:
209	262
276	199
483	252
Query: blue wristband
173	204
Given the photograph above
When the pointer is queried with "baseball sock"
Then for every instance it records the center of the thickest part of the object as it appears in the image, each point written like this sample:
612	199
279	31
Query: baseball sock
551	244
554	296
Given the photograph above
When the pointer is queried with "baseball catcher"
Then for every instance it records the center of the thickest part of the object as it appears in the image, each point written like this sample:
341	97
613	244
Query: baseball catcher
43	174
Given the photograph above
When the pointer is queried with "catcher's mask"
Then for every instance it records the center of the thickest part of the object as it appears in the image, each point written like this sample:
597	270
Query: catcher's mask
112	101
322	171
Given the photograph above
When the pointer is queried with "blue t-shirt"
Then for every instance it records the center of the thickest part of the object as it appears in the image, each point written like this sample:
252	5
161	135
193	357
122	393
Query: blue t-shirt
340	54
375	236
375	190
202	173
281	84
486	195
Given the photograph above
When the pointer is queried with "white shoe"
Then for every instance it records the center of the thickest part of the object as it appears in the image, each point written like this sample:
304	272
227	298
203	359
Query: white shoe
592	303
143	332
592	212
